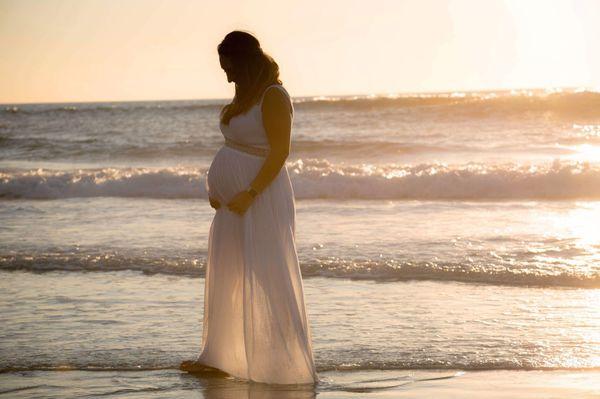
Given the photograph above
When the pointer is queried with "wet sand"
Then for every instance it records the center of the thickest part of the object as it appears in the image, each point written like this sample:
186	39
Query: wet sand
414	384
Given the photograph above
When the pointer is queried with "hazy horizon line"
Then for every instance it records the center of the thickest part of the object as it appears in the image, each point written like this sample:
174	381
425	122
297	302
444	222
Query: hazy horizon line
550	88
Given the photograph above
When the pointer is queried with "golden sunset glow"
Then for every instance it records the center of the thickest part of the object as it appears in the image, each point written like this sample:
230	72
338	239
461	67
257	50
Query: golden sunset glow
585	153
93	50
300	198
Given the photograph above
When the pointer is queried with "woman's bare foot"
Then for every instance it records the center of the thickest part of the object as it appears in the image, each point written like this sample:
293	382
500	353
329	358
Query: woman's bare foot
193	366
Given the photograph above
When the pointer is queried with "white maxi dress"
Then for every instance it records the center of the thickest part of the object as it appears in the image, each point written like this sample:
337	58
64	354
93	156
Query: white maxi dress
255	321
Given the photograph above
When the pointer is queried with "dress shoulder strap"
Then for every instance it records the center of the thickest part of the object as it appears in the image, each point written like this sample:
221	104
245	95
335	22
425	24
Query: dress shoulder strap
284	92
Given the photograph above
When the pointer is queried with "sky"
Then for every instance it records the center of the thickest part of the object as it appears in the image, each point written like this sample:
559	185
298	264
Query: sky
122	50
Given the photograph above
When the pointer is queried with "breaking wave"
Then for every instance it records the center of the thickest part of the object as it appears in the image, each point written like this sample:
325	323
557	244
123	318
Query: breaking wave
321	179
378	269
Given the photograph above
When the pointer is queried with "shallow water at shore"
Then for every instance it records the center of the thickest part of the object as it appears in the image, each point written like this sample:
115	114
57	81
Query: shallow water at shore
437	234
415	384
130	321
533	243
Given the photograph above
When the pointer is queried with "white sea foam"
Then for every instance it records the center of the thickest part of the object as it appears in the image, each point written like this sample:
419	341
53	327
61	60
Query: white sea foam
375	269
315	178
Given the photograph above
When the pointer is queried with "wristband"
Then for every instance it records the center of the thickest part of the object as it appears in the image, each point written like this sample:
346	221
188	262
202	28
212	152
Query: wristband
252	191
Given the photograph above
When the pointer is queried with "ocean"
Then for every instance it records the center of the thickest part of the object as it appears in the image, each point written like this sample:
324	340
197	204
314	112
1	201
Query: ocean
437	233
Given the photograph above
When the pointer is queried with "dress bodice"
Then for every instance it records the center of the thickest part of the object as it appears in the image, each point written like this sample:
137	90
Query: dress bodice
248	128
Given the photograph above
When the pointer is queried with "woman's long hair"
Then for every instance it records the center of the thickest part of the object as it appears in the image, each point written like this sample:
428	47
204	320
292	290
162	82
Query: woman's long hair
255	69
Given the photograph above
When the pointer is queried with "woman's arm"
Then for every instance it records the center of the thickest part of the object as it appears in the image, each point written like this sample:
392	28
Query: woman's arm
277	120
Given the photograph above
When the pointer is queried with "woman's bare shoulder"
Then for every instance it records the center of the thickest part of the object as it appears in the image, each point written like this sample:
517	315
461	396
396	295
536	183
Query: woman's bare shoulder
276	98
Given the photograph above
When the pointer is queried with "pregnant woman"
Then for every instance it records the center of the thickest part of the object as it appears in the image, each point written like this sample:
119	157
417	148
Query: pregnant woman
255	321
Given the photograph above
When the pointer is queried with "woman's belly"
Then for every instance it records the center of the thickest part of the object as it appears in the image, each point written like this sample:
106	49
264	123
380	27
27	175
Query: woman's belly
230	172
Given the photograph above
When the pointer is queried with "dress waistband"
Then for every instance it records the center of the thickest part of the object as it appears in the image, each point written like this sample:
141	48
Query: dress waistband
261	152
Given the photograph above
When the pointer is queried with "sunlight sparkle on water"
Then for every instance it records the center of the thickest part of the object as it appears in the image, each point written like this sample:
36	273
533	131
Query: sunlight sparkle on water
580	225
585	152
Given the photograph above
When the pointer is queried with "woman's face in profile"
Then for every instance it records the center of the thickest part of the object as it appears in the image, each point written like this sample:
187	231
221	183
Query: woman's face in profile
227	66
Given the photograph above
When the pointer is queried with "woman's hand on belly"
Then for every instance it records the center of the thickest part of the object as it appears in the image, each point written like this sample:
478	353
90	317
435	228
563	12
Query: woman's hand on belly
240	202
214	203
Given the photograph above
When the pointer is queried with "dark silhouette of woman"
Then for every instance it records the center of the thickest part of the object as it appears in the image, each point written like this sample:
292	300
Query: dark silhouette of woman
255	321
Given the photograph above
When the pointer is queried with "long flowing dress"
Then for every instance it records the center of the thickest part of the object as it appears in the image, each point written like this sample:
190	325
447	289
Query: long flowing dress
255	321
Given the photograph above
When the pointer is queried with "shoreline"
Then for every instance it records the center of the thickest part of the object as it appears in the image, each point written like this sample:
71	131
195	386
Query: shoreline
498	384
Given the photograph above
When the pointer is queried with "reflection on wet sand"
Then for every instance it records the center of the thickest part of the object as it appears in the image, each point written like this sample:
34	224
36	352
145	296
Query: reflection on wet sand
216	384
